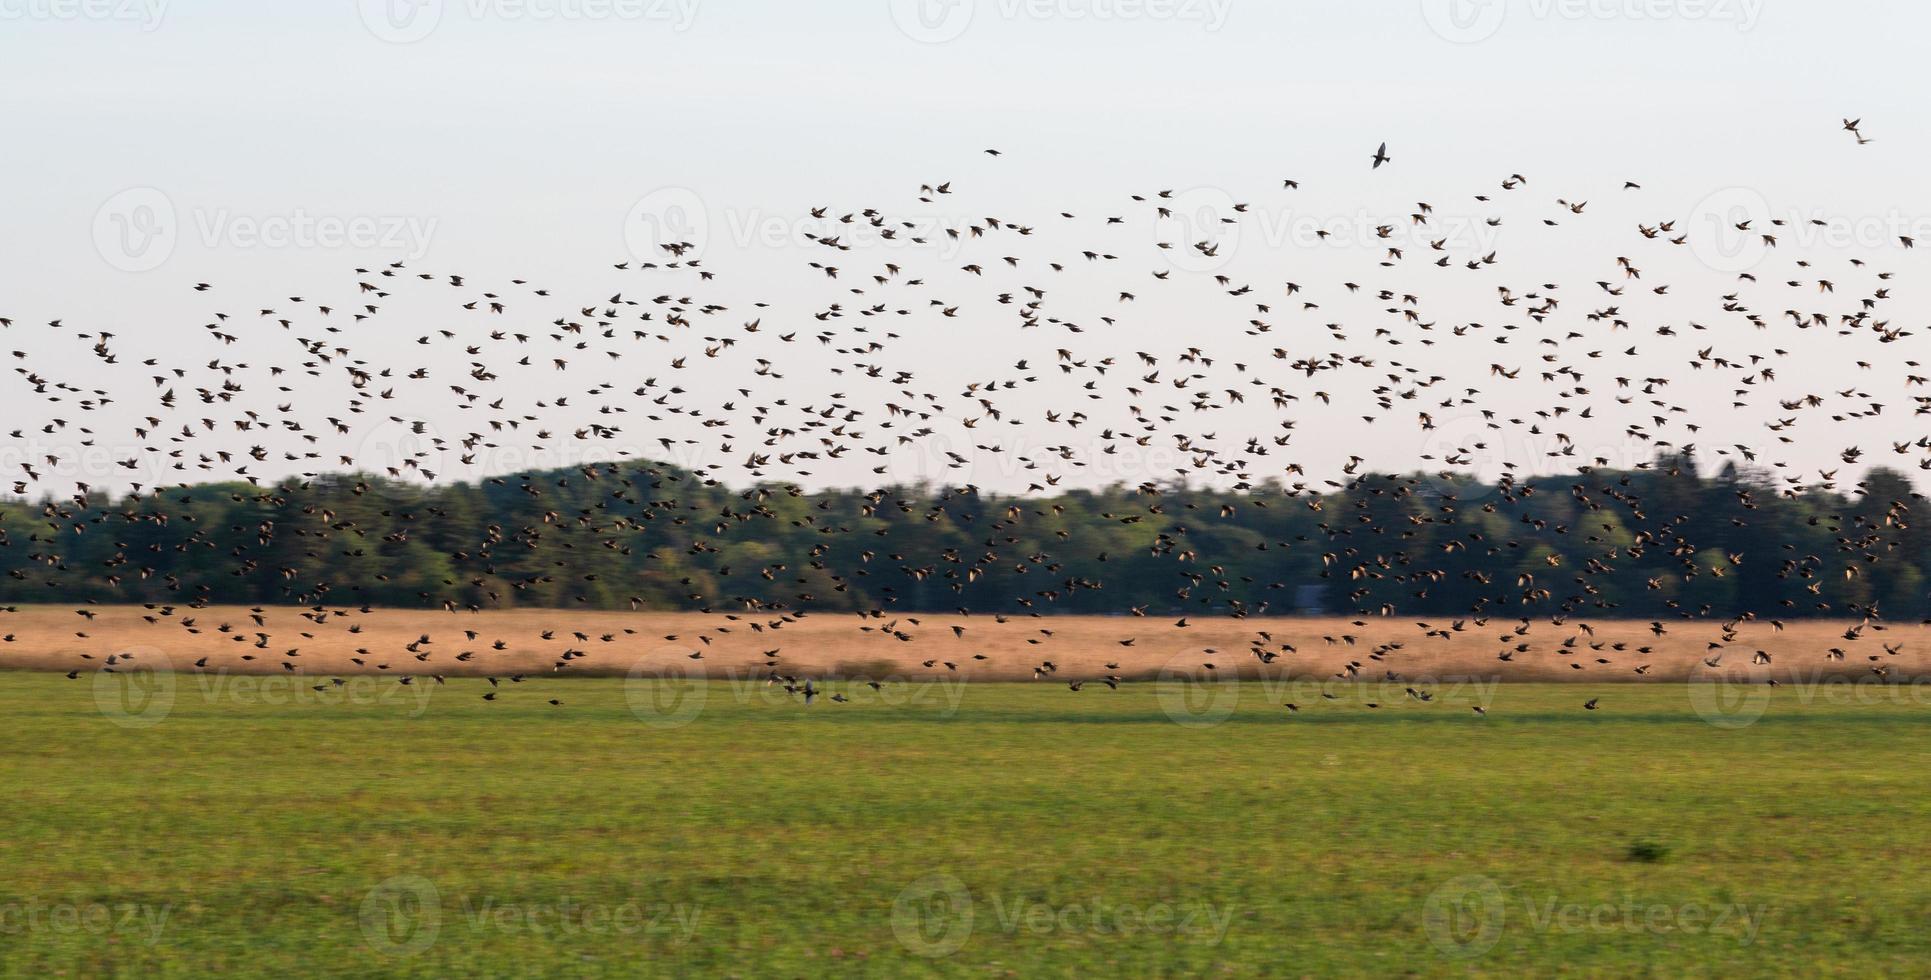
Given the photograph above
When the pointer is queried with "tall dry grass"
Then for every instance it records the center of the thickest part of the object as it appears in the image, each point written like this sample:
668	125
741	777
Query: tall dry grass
392	641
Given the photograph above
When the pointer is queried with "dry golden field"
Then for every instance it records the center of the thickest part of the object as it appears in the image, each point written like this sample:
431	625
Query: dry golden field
533	642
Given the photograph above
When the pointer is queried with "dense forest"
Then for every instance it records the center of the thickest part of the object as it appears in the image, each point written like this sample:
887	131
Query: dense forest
1657	541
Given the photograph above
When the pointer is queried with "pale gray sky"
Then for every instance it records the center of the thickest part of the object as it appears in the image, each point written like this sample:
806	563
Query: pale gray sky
270	148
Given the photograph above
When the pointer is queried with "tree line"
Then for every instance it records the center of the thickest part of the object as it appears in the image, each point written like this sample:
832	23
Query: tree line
1656	541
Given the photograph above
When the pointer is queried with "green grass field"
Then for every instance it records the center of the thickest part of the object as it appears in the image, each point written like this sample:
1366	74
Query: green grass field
976	830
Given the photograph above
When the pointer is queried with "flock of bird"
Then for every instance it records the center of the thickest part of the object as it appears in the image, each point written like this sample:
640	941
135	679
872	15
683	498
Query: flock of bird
767	390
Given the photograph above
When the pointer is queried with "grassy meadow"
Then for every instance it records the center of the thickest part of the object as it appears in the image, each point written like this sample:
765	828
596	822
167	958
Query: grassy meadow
174	825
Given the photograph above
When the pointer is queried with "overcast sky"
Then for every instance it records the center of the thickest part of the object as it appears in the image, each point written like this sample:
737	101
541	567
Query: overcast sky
270	148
